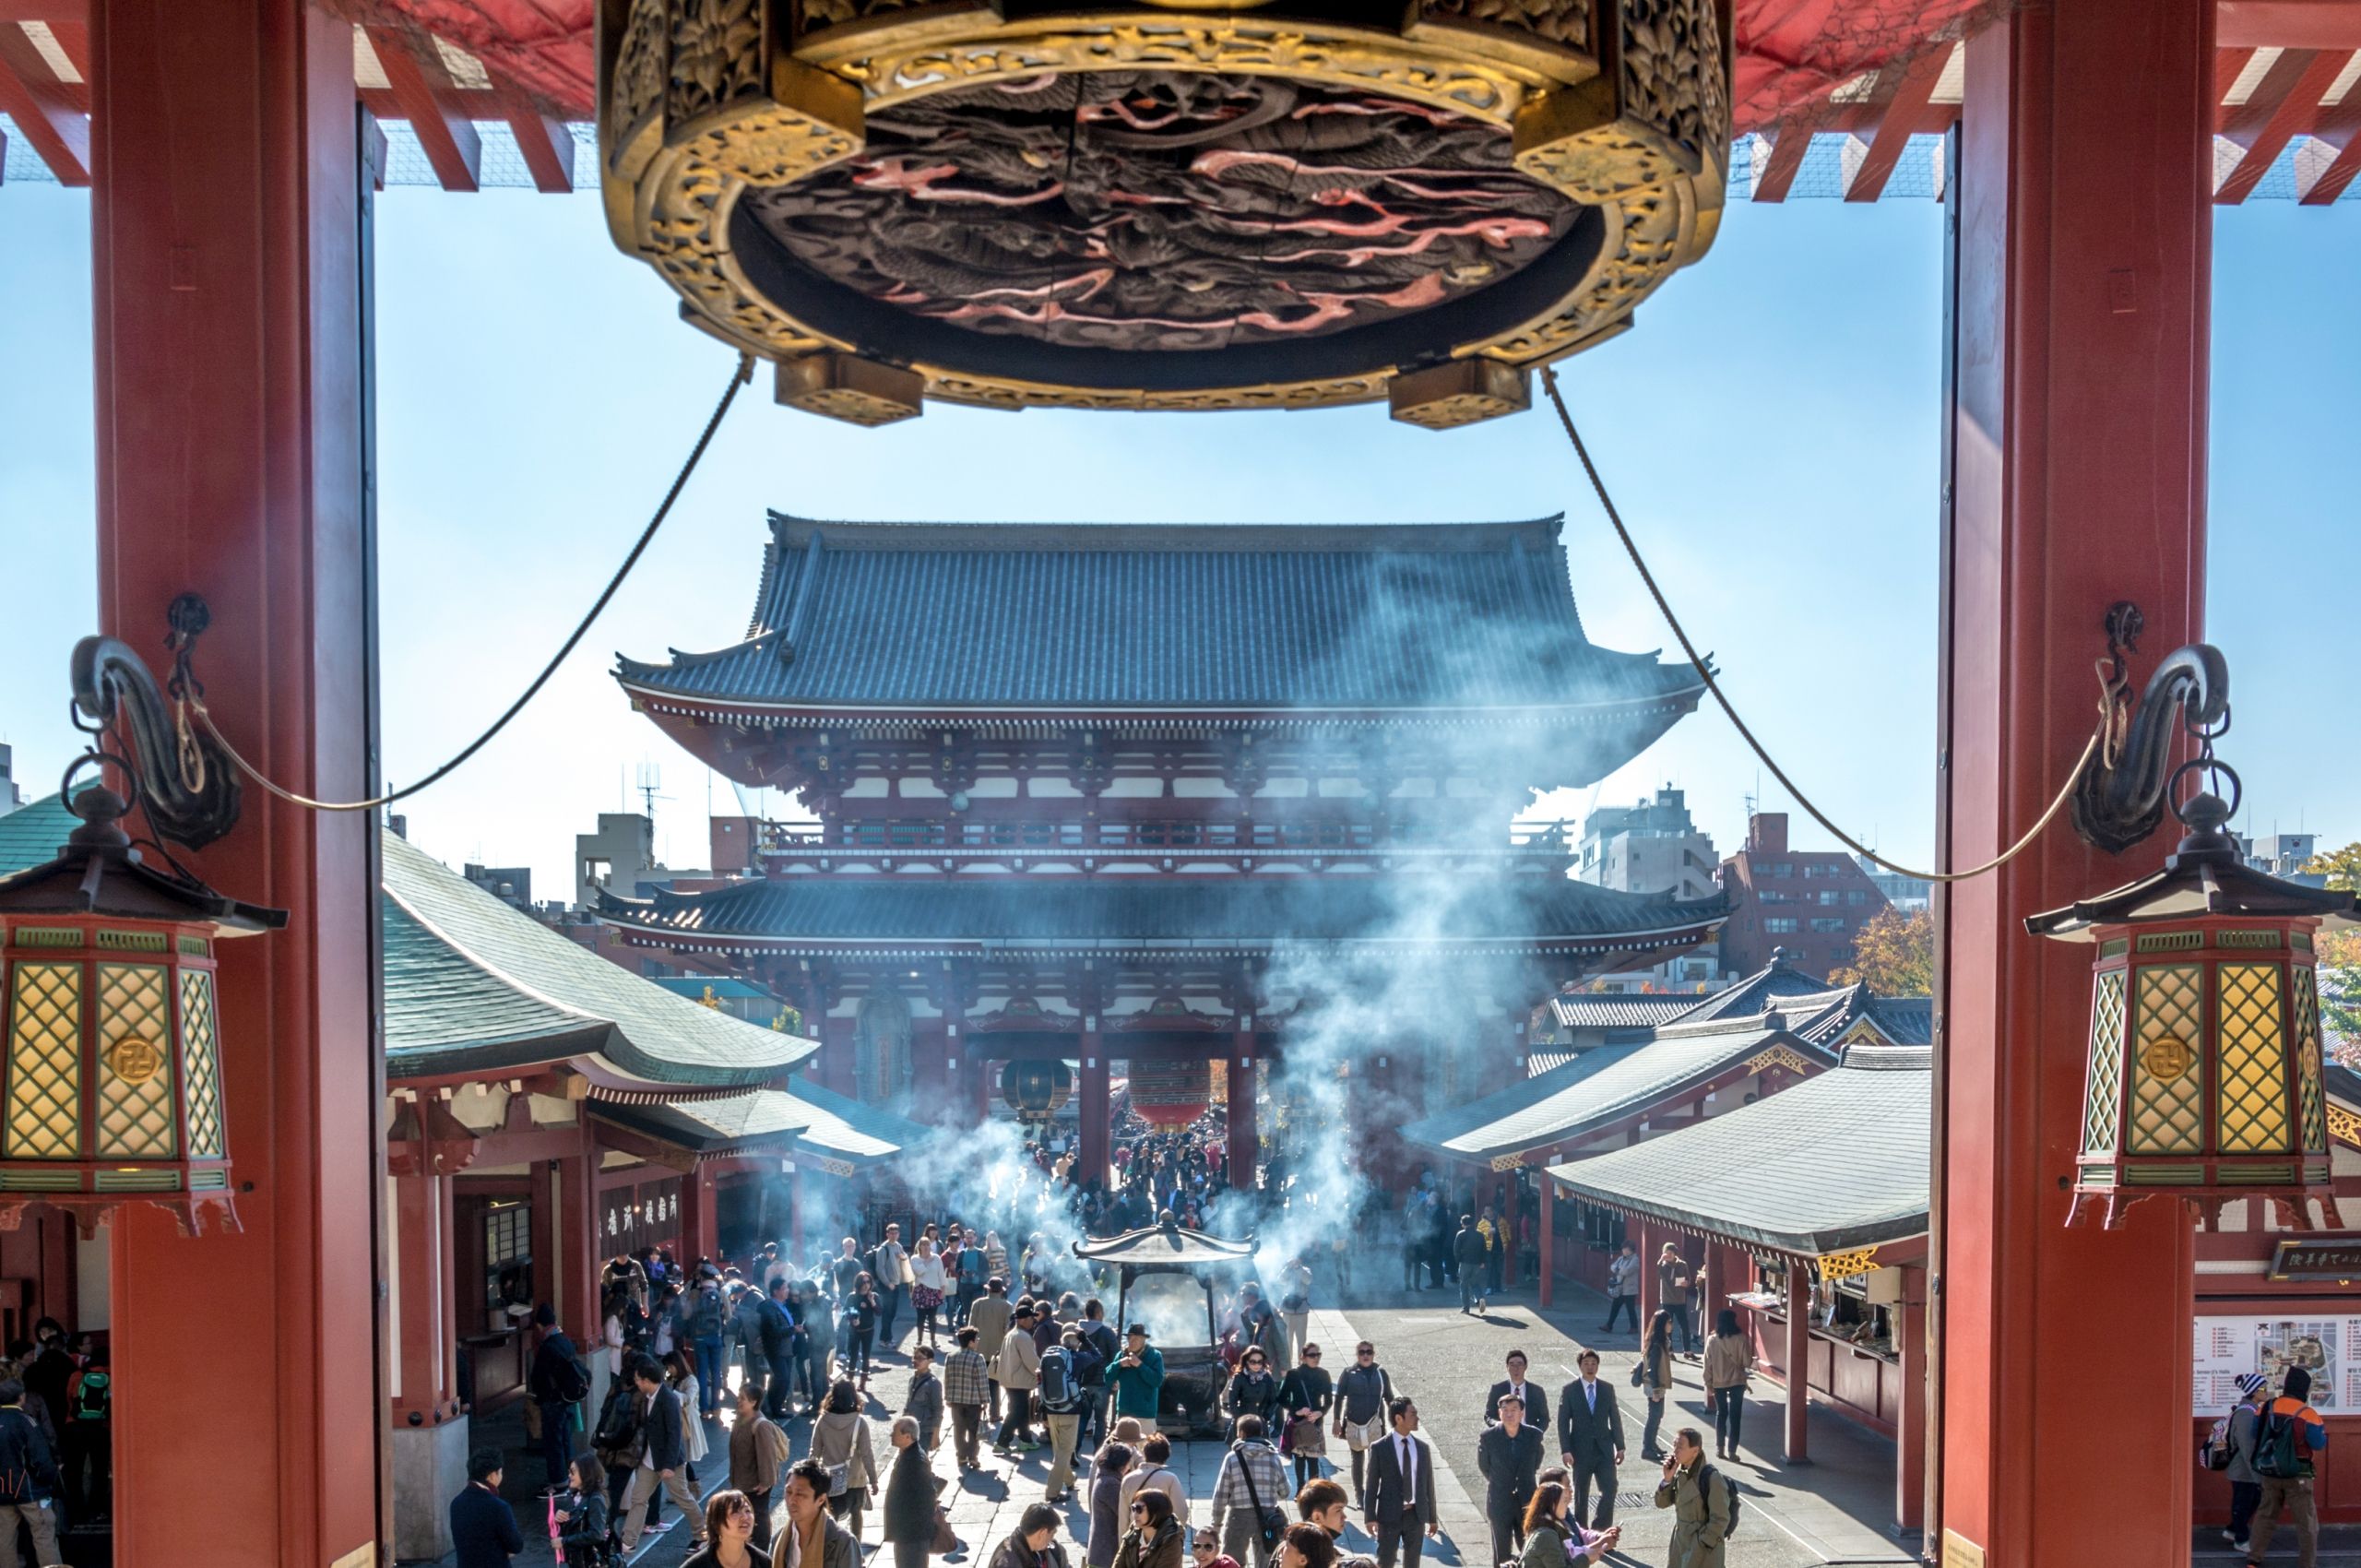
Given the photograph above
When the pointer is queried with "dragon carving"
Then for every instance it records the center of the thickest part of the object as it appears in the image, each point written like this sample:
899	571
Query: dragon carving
1167	211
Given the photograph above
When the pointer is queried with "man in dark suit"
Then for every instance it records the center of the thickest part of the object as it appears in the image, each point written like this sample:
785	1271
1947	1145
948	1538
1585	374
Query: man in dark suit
1509	1456
484	1528
1536	1403
1590	1439
1399	1509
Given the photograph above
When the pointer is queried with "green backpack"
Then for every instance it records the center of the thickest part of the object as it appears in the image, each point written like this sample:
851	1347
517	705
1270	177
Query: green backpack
2275	1454
92	1395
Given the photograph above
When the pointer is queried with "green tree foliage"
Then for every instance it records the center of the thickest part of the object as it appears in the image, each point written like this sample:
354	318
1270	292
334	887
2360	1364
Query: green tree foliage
2339	954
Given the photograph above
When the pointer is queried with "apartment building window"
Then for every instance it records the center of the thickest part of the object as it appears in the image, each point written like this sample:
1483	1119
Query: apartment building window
1828	923
1780	925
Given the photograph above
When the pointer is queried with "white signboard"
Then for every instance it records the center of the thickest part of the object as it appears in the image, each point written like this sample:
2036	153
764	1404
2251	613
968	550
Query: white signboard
2227	1347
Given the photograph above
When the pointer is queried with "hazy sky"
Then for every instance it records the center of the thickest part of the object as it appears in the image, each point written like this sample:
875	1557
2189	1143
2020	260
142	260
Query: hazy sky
1769	429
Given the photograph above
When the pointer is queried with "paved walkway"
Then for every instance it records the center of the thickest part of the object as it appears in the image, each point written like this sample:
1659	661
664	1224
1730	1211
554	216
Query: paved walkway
1839	1510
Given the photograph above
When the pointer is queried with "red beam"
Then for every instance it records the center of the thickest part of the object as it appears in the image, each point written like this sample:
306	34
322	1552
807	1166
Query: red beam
547	144
449	138
2227	64
1898	121
1787	156
50	11
2290	24
2286	101
44	108
2341	129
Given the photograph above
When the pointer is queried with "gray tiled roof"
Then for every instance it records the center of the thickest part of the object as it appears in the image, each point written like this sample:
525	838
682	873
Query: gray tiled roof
1838	1161
1249	911
1747	998
2343	1085
473	984
1163	616
1590	1010
801	1116
1599	1086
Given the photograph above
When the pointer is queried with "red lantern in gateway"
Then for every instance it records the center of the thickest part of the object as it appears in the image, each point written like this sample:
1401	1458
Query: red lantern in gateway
1171	1094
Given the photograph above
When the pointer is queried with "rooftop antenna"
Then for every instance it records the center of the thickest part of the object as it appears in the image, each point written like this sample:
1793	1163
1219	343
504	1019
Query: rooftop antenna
651	776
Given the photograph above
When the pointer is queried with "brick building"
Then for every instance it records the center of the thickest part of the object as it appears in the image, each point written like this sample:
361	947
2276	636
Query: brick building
1812	902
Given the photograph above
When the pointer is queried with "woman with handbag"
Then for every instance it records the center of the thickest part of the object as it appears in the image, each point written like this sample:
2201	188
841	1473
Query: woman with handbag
909	1524
1653	1372
1729	1359
928	1281
840	1441
1305	1394
1252	1390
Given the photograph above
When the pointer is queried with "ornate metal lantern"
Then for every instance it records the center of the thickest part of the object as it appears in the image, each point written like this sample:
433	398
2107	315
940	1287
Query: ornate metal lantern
1162	204
110	1087
2204	1073
1035	1090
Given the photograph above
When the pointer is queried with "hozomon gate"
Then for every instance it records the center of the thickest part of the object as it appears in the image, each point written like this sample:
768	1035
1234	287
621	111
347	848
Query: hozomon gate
1170	794
229	204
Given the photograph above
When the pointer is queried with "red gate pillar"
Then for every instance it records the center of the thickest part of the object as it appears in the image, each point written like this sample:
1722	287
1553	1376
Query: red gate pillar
2077	457
578	1250
1245	1143
427	1337
226	267
1648	1243
1910	1431
1795	1433
1094	1107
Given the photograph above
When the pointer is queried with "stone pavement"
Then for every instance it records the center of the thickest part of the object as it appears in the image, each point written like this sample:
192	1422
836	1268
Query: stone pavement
1839	1510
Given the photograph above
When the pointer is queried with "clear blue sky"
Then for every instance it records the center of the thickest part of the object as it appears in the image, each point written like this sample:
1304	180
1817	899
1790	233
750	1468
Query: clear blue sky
1769	429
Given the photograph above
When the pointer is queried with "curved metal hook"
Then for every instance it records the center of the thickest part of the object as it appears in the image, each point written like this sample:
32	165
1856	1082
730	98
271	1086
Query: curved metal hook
2116	807
113	687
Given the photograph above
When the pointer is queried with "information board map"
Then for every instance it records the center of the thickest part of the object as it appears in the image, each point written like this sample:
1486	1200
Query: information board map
2227	1347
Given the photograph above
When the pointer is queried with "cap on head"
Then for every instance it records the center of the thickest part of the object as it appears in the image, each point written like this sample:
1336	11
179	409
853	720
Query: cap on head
1138	1328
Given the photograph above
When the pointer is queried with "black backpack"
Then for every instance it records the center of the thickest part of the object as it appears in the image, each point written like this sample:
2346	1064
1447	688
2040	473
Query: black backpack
570	1379
1057	1381
1706	1476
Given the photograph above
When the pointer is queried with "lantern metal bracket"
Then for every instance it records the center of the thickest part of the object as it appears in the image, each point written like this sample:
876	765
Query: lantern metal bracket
183	782
2122	797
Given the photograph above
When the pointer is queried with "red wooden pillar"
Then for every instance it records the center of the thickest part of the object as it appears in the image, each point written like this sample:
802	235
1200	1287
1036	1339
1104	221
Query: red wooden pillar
226	267
2077	452
1650	1243
579	1252
426	1331
1795	1448
1095	1105
1910	1434
1245	1141
700	1226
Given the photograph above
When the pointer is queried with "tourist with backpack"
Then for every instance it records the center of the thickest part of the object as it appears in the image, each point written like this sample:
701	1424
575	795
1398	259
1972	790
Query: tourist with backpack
28	1478
1065	1369
2287	1434
1247	1493
2229	1448
90	1440
706	1317
557	1382
1704	1501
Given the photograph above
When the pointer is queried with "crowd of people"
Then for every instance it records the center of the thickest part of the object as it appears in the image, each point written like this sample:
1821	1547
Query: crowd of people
57	1445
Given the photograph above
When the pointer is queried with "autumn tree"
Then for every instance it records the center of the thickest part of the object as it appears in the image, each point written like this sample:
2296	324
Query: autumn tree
1894	953
2339	956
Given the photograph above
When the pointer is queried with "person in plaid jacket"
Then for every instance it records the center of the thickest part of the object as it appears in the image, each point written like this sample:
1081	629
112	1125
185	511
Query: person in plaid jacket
967	1384
1250	1472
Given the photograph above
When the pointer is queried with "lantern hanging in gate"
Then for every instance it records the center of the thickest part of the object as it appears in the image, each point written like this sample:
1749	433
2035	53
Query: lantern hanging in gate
2203	1076
110	1087
1172	1093
1037	1091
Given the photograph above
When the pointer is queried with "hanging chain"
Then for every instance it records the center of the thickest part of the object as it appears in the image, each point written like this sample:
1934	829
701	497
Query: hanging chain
188	692
2114	693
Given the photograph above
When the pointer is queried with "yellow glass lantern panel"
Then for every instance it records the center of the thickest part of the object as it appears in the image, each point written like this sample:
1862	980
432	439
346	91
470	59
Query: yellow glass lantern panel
2305	1028
2100	1112
2167	1075
200	1064
135	1074
2254	1059
45	1063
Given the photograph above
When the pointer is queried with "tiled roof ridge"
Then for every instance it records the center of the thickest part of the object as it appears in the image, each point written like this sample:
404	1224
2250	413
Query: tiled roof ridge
1447	536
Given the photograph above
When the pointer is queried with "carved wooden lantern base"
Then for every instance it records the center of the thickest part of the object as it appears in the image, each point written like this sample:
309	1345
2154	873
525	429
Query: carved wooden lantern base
1162	206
